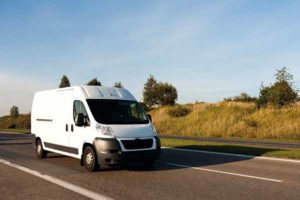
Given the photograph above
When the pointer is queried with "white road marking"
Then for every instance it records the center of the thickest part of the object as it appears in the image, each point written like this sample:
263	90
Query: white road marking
228	173
64	184
8	132
236	155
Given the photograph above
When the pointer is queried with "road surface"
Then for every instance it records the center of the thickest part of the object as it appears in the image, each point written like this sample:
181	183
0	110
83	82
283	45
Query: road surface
178	175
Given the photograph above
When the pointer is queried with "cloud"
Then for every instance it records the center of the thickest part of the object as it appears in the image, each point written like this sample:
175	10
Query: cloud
19	90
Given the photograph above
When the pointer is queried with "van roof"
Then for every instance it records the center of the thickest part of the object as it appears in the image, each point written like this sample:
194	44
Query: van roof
100	92
95	92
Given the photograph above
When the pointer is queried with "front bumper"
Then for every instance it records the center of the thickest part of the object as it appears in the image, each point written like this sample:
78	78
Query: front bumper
109	152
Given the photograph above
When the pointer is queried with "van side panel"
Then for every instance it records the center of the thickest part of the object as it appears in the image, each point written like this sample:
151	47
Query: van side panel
51	112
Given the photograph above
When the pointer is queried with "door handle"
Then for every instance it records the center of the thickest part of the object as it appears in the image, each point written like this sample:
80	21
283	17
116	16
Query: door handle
67	128
72	127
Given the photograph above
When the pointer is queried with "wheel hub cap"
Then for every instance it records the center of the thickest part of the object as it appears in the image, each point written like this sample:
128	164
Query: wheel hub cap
89	158
39	149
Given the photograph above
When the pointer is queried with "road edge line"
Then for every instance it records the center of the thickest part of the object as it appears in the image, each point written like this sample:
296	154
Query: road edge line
237	155
227	173
74	188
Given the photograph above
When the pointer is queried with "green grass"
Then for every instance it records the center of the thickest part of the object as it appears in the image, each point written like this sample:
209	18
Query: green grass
245	139
231	148
15	130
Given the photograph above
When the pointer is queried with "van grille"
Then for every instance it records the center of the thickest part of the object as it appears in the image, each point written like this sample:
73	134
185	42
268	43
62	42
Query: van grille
138	143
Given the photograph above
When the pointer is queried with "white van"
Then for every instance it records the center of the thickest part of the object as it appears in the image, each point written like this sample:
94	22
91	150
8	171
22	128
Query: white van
98	125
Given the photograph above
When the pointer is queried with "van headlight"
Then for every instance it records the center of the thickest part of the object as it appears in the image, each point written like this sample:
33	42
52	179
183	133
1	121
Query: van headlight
153	130
104	130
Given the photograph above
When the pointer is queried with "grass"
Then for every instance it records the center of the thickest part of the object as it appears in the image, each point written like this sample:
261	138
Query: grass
18	122
231	119
230	148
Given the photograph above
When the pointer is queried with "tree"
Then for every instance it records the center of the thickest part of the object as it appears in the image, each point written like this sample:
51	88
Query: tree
64	82
263	98
144	106
281	93
94	82
166	93
14	111
283	75
149	94
118	85
243	97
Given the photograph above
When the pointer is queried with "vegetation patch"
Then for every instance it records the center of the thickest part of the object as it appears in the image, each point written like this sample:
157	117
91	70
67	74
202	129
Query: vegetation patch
231	119
178	111
230	148
15	122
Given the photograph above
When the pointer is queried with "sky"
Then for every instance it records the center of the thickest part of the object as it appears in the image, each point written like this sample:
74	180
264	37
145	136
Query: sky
208	50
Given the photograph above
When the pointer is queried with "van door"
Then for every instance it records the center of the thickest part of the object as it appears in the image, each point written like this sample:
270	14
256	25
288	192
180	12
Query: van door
79	134
58	136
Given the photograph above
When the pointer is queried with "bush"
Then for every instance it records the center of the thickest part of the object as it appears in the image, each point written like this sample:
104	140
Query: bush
243	97
178	111
281	93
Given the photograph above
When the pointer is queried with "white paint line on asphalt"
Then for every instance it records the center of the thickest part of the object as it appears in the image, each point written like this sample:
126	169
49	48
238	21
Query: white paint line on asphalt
64	184
9	132
227	173
236	155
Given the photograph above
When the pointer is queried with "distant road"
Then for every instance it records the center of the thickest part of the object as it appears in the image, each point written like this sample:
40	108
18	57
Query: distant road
237	141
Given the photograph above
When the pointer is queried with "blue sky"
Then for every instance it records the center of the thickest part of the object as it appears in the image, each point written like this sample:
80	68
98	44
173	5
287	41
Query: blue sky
207	49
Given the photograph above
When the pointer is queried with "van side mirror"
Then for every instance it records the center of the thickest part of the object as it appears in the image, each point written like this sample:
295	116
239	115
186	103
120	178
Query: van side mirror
79	119
149	117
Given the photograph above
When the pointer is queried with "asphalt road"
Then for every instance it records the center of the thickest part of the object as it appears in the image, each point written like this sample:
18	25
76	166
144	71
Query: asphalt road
178	175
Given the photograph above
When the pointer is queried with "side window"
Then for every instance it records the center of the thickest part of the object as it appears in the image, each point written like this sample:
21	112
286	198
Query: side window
78	107
133	110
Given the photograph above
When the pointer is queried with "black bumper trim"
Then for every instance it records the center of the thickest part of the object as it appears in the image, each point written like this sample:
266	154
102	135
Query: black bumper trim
61	148
109	152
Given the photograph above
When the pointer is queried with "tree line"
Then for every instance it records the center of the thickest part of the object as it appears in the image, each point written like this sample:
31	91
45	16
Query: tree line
281	93
65	82
155	92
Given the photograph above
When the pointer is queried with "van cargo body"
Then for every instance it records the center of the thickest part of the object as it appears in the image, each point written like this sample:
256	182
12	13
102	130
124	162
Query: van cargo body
98	125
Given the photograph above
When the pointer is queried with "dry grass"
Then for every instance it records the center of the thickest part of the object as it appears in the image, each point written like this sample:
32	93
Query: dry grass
20	122
231	119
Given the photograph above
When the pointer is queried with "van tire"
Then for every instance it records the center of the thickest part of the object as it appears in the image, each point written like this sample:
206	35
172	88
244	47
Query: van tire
90	159
39	150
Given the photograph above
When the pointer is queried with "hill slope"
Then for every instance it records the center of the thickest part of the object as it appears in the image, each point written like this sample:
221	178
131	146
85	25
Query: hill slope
230	119
20	122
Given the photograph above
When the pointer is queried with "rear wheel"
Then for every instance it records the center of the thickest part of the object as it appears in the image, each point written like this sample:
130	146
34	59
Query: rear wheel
40	152
89	159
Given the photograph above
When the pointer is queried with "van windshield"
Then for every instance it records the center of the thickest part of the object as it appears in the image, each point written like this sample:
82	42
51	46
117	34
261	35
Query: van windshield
117	111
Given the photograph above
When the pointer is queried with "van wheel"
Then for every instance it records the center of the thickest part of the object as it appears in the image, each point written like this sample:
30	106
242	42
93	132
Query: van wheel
40	152
89	159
